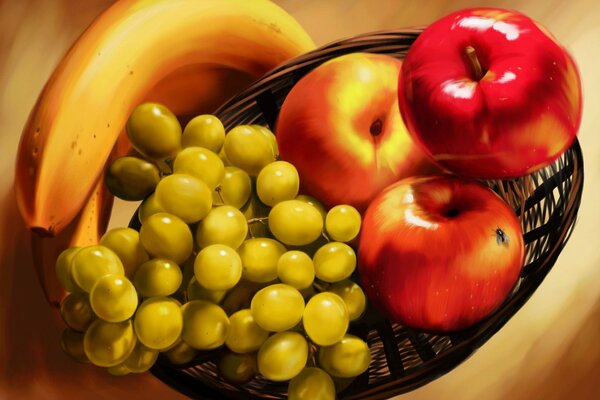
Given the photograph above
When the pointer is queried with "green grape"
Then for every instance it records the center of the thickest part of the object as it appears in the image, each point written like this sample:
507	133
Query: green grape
223	225
353	296
158	322
237	368
204	131
149	207
249	149
205	325
118	370
256	212
141	359
157	277
347	358
154	131
277	307
237	298
313	202
276	182
164	235
200	163
218	267
76	311
93	262
342	223
334	262
184	196
64	269
259	259
107	344
266	132
295	223
113	298
283	356
72	344
235	188
131	178
245	335
311	384
325	318
125	242
181	353
196	291
296	269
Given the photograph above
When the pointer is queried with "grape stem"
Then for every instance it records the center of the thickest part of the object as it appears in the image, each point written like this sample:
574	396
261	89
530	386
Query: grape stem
262	220
218	190
325	236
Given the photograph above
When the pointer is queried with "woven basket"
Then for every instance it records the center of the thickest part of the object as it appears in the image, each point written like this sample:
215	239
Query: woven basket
402	359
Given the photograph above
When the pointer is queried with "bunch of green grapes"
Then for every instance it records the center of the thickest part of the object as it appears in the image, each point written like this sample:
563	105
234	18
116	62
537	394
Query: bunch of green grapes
229	254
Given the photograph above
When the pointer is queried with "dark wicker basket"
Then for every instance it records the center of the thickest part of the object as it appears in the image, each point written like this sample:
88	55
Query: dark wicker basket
402	359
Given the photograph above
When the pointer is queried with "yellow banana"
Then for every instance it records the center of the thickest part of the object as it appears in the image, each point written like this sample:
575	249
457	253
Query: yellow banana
135	46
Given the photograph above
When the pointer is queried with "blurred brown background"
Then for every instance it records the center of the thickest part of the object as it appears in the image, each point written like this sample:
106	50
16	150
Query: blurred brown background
549	350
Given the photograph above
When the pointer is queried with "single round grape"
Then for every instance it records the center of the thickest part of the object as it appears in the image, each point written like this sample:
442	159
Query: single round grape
259	259
157	277
118	370
342	223
325	318
245	335
184	196
166	236
347	358
334	262
295	223
205	325
218	267
149	207
276	182
196	291
249	149
93	262
237	368
125	242
131	178
277	307
296	269
204	131
181	353
158	322
154	131
113	298
311	384
141	359
266	132
283	356
64	269
109	343
313	202
76	311
237	298
235	188
72	344
353	296
223	225
200	163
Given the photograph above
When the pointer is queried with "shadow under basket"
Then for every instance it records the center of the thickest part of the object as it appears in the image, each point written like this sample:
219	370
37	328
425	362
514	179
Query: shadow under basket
546	202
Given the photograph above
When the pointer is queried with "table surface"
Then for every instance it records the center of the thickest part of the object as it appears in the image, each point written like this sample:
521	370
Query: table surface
549	350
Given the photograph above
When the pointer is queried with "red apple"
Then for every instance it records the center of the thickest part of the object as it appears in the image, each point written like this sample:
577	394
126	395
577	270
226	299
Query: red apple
341	128
439	254
490	93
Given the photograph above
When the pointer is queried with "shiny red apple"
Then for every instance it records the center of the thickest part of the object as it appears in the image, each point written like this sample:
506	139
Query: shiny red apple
439	254
490	93
341	128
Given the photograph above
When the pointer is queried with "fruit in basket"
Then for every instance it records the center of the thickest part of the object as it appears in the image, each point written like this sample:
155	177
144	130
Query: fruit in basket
131	178
325	319
158	322
283	356
205	325
490	93
347	358
107	344
439	254
249	148
311	384
295	222
277	307
204	131
344	114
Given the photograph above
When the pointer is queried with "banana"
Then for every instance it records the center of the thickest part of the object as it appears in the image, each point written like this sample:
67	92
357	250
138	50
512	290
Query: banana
135	48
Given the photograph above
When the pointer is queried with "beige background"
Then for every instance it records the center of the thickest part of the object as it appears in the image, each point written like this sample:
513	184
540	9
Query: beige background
549	350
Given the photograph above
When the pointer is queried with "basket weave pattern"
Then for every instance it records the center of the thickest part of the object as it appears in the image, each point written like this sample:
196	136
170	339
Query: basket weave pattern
546	203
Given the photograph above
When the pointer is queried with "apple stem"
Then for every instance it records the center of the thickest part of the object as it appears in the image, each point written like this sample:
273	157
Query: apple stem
475	64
